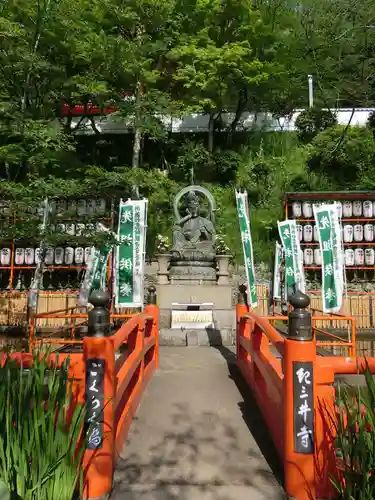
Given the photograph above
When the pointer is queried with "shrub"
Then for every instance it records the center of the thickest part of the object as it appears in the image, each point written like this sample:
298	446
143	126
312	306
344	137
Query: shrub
355	442
343	154
39	452
312	121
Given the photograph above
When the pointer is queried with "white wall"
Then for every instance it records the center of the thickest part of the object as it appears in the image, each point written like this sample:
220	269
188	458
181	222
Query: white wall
112	124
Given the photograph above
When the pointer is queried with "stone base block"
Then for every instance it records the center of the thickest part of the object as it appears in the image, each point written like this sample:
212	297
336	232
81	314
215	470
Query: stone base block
190	338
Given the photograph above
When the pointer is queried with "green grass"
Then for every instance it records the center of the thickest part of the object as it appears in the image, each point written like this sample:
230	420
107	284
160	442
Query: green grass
39	452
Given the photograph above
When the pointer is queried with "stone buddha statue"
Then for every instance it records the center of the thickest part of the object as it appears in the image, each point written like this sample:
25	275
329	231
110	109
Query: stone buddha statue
193	235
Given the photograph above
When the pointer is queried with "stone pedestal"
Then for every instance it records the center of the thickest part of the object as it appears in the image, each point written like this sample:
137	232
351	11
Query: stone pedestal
163	272
223	313
223	269
192	272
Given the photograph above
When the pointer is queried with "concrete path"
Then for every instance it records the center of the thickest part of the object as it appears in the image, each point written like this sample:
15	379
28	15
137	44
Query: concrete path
197	435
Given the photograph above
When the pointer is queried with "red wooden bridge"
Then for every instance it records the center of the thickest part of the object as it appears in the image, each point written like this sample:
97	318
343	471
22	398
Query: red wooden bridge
253	422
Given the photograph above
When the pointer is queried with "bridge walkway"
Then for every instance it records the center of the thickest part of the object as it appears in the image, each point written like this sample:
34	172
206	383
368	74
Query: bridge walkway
198	435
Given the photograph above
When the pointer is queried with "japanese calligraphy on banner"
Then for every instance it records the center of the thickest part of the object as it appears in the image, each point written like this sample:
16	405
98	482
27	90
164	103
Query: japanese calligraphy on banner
96	271
276	289
303	407
130	253
294	274
95	369
328	222
247	245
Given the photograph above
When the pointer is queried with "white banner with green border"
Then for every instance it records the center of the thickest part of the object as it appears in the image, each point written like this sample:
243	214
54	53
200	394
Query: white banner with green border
38	275
329	226
96	272
247	245
276	288
294	273
130	254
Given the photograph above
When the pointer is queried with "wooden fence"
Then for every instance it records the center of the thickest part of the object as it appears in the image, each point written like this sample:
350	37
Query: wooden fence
13	308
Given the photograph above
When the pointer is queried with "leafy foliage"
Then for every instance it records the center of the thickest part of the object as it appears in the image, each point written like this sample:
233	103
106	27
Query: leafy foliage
312	121
344	154
40	441
355	441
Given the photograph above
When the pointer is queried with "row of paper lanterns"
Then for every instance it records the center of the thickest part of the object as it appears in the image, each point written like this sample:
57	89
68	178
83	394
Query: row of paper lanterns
74	229
347	209
75	207
58	256
358	257
357	232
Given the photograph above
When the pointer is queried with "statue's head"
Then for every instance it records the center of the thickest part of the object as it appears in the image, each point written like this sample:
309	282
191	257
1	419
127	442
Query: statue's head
193	203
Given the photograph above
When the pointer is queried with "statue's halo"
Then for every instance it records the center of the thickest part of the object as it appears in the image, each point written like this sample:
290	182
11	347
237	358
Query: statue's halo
198	189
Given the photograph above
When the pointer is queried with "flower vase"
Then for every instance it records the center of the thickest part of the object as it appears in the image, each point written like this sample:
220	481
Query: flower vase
222	269
163	271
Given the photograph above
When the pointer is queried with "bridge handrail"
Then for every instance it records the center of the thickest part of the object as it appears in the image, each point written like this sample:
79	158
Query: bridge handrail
125	376
272	381
270	331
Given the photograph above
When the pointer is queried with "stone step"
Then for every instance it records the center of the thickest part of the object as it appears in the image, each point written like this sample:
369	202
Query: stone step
196	337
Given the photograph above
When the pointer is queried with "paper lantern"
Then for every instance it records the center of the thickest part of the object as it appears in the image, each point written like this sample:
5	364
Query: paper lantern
368	232
70	229
68	256
359	257
91	207
5	257
357	208
50	254
19	257
37	255
349	257
300	232
348	233
347	209
87	255
61	207
59	256
100	207
79	255
358	232
297	209
307	209
369	256
316	233
317	257
367	209
307	233
81	208
308	256
29	256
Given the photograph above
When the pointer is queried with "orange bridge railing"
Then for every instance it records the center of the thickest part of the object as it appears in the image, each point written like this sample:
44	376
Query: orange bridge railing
294	388
109	377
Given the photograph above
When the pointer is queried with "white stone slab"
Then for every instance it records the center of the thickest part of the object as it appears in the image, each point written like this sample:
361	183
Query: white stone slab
192	320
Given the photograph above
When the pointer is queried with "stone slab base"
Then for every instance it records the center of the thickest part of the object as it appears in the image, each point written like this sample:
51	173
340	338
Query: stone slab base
188	338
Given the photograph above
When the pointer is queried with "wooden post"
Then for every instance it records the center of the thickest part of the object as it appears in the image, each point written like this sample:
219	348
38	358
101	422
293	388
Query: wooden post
242	326
299	402
99	359
153	309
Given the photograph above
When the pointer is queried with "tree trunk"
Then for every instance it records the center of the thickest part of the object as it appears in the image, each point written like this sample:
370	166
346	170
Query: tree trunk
211	131
137	131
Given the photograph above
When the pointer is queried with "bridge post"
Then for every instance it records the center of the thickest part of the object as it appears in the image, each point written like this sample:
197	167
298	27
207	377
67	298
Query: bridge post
299	401
242	326
99	360
153	309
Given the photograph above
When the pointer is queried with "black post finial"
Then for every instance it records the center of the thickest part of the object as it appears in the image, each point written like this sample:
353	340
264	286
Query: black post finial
99	317
299	320
242	294
151	299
